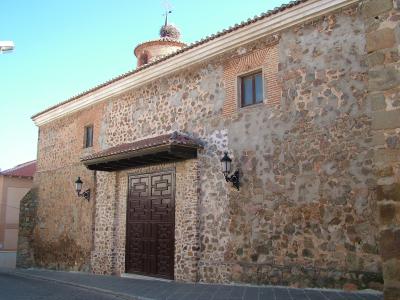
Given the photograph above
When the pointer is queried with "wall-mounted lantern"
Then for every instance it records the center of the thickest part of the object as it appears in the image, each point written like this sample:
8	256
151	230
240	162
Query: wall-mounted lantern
78	189
226	164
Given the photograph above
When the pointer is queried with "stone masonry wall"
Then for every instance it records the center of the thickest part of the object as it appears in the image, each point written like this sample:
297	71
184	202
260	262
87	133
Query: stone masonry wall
382	44
108	256
307	198
27	222
61	231
306	213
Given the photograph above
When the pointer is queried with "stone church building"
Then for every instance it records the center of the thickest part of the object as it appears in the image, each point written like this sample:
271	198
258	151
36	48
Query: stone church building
305	101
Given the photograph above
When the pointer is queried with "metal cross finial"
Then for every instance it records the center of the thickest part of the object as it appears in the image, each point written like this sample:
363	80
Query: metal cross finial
166	16
168	10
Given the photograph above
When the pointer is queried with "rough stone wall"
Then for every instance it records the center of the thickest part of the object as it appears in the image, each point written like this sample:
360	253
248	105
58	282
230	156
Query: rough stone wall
103	258
62	227
108	256
27	222
187	221
307	198
306	212
382	44
180	101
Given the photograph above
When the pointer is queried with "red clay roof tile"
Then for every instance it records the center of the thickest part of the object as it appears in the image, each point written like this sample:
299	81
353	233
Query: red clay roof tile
23	170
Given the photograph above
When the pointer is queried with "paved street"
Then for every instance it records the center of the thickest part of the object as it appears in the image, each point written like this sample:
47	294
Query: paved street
14	287
44	285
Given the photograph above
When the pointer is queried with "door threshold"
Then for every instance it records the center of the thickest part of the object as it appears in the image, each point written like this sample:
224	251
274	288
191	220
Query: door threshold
142	277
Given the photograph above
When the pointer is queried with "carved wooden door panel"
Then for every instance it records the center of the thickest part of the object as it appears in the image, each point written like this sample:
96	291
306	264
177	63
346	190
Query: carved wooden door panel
150	225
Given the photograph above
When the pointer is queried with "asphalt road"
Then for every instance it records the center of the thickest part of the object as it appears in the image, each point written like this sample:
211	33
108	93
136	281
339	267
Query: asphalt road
20	288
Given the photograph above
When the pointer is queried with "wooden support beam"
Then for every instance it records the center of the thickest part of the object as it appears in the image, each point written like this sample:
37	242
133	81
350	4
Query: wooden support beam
153	156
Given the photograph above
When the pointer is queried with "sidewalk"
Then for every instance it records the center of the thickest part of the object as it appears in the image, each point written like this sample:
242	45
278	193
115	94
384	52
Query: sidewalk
140	289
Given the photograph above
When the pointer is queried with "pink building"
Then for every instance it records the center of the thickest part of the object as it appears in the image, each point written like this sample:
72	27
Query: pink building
14	184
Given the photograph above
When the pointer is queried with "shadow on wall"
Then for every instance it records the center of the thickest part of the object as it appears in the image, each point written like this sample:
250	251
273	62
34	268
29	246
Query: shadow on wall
32	251
27	222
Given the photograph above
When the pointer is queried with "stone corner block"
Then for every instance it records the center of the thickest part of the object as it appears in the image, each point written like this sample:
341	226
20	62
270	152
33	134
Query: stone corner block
390	244
391	293
389	192
386	119
391	270
376	101
389	214
375	59
380	39
383	78
374	8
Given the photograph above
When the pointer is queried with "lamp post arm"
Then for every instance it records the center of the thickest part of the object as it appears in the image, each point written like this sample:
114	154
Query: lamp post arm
234	178
85	194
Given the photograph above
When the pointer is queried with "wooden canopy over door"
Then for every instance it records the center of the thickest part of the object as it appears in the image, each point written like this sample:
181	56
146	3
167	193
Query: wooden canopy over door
160	149
150	225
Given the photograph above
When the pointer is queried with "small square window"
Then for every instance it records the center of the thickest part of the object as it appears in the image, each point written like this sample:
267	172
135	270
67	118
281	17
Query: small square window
251	89
88	139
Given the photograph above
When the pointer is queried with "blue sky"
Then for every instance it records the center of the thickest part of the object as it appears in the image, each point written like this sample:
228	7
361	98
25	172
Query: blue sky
66	47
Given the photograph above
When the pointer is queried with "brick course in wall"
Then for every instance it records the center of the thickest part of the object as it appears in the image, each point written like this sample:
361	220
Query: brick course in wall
265	60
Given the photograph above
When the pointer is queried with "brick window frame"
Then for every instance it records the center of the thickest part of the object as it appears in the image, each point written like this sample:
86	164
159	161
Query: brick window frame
265	59
240	88
88	143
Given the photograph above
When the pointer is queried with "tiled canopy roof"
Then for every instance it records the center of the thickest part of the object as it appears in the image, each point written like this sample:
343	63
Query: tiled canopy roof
160	149
184	49
23	170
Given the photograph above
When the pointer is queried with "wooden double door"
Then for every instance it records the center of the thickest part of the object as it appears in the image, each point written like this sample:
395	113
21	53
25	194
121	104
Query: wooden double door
150	225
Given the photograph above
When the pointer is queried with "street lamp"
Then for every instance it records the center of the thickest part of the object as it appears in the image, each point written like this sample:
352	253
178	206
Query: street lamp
226	164
6	46
78	189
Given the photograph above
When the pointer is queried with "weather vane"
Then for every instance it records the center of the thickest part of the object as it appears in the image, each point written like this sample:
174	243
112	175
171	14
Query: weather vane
169	30
167	7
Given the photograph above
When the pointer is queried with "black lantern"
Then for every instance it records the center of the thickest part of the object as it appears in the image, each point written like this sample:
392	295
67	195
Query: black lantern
226	164
78	188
